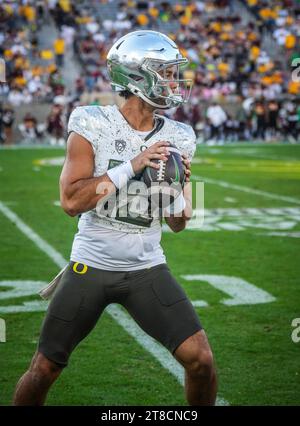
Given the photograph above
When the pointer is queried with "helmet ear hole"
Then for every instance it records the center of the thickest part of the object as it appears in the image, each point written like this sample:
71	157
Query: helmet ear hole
157	91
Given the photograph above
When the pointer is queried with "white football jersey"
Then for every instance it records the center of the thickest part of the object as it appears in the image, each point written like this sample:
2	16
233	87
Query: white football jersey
121	243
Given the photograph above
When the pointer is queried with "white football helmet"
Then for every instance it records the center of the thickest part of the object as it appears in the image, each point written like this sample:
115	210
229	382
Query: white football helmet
141	61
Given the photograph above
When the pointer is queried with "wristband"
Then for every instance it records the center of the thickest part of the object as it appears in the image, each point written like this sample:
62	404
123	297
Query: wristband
121	174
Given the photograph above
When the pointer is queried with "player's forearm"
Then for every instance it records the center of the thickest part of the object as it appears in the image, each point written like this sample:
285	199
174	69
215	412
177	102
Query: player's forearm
84	194
178	221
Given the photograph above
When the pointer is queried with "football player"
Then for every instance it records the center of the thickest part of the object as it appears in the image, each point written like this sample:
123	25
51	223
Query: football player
118	258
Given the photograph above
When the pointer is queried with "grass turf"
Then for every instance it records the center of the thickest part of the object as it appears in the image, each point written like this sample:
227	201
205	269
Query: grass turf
257	361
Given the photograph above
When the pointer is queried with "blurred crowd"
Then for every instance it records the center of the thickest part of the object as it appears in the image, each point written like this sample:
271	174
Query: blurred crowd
280	18
255	120
232	69
31	71
52	130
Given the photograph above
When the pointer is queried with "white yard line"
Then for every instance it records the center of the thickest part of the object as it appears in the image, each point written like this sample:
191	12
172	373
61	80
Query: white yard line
272	157
250	152
33	236
128	324
281	234
246	189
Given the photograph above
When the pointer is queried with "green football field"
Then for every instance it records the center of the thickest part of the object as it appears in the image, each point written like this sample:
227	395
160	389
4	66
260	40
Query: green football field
241	269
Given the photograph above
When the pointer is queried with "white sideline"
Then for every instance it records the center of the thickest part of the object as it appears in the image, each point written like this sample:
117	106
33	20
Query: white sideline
245	189
116	312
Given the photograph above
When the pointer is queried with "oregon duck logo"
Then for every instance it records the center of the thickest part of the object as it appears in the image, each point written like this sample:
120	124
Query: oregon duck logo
80	268
120	145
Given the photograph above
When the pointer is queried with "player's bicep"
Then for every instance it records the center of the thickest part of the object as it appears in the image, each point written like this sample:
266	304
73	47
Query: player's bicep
79	162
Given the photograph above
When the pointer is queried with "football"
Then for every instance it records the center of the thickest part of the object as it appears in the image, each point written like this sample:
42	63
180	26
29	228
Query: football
165	184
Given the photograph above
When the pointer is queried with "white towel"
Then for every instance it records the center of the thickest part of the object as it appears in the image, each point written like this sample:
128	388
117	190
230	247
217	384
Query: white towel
47	292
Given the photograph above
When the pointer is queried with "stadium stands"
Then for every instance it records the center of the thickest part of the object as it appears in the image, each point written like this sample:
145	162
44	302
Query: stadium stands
227	42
